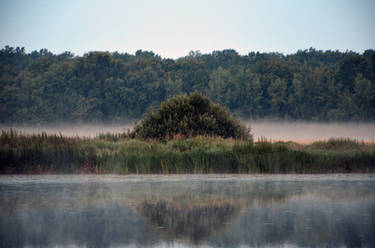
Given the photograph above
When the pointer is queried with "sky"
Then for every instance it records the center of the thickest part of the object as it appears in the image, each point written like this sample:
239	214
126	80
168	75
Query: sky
172	28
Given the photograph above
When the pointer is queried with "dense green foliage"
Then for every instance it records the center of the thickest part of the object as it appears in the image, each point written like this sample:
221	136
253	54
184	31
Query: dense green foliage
101	86
118	154
189	116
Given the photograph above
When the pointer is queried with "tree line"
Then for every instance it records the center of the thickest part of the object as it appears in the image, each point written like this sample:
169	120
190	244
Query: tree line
41	87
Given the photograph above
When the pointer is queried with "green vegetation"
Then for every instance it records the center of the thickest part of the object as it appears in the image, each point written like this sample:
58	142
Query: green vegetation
20	153
189	116
41	87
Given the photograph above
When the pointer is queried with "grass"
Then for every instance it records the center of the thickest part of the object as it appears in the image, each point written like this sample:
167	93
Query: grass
117	153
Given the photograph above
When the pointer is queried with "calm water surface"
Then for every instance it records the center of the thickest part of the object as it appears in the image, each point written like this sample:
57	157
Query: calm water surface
185	211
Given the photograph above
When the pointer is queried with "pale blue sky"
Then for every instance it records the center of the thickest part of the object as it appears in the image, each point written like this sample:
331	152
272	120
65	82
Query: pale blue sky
172	28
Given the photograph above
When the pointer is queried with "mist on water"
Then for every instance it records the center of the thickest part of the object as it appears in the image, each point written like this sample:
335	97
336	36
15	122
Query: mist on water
312	131
187	211
271	130
72	130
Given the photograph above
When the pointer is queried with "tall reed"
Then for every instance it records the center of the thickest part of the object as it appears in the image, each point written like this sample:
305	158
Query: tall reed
117	153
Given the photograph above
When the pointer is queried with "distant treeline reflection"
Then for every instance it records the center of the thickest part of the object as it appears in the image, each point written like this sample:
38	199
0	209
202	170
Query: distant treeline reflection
41	87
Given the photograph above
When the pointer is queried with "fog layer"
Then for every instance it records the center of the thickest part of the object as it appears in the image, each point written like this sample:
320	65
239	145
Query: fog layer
187	211
311	131
285	131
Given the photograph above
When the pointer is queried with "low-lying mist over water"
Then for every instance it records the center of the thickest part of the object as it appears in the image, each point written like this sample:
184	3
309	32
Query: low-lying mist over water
311	131
187	211
81	130
272	130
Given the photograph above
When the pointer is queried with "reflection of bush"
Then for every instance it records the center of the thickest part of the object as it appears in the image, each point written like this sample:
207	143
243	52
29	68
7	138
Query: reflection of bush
187	222
260	213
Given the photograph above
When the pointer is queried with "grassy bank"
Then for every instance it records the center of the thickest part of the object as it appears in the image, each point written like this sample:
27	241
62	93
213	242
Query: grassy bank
116	153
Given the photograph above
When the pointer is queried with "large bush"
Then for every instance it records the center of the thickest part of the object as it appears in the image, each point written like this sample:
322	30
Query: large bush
189	116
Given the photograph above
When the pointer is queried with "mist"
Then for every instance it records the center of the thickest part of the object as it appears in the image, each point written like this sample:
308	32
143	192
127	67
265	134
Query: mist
299	131
306	132
72	130
186	211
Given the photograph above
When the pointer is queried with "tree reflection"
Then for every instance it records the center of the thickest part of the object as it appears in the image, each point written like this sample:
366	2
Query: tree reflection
215	213
192	222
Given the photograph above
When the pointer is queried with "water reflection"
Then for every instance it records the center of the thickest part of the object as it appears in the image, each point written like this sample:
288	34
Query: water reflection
194	222
218	212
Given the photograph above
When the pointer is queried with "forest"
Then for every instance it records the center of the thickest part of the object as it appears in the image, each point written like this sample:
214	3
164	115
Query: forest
42	87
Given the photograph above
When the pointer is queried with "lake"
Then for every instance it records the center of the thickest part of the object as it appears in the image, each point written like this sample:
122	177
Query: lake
187	210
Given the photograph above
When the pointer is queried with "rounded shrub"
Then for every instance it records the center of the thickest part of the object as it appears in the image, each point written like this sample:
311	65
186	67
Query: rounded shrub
189	116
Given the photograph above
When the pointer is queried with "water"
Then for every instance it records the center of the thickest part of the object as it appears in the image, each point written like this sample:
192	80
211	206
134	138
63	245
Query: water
185	211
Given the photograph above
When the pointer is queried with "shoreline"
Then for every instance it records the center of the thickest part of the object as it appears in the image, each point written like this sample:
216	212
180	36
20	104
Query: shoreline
119	154
311	141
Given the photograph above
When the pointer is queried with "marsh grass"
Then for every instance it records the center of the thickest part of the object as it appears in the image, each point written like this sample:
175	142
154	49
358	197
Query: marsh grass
118	153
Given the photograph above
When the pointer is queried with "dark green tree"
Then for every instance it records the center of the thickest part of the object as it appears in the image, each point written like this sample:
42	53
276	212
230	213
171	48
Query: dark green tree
189	116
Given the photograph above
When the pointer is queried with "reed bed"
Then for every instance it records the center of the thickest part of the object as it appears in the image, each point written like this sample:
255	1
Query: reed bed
120	154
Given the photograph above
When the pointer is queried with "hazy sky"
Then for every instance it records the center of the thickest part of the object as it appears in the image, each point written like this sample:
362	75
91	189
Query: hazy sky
172	28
